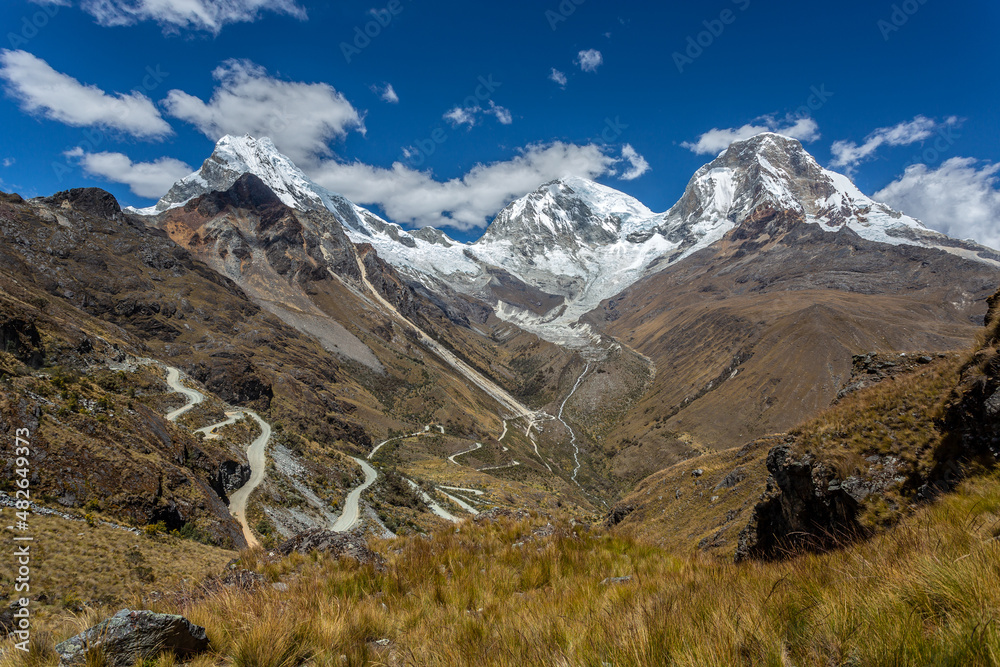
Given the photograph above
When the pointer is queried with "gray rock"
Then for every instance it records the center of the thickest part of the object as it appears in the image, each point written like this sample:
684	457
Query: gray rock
129	635
993	405
616	580
732	479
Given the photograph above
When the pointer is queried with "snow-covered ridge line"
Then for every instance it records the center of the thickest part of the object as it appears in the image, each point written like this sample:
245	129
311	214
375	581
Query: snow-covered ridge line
576	239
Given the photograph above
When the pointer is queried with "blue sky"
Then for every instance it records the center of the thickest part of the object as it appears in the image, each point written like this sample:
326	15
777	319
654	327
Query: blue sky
491	99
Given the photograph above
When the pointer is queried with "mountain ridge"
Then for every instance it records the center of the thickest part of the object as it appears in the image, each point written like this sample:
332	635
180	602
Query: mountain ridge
559	241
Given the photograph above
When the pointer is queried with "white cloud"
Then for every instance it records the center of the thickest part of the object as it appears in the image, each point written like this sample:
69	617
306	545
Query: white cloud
459	116
849	153
175	15
957	198
637	163
470	115
301	118
386	93
558	77
414	197
717	140
42	90
589	60
9	161
502	114
146	179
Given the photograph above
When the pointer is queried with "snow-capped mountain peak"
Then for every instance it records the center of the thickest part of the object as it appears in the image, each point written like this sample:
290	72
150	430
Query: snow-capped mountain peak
771	170
234	156
567	210
576	242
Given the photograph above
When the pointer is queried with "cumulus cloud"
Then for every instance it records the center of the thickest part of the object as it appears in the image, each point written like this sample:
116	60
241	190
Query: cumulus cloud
386	93
717	140
9	161
146	179
558	77
415	197
43	91
175	15
959	198
589	60
469	116
848	153
301	118
637	164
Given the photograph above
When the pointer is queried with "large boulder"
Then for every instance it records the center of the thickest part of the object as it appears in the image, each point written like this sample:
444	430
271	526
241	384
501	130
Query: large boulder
129	635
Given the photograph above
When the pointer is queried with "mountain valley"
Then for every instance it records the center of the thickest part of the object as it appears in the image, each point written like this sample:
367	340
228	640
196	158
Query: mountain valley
775	365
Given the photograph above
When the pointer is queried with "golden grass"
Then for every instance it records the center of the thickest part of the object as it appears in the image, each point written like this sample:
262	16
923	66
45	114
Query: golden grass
925	592
896	417
75	564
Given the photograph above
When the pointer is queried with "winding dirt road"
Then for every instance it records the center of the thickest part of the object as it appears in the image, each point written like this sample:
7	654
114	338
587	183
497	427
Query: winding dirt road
475	447
352	511
193	397
256	452
431	504
257	457
209	431
426	431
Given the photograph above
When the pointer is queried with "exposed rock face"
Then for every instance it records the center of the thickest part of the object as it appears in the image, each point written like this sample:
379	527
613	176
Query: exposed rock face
89	200
234	379
229	477
618	514
131	635
335	544
972	420
872	368
20	337
805	506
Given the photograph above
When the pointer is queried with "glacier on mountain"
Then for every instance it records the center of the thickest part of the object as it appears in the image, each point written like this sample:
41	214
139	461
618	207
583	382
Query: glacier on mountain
578	240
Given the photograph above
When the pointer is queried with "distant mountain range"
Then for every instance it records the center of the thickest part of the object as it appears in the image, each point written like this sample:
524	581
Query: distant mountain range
553	255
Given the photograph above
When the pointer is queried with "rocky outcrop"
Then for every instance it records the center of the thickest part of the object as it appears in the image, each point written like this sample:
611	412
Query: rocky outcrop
229	477
129	636
335	544
872	368
88	200
234	379
804	507
20	337
617	515
972	418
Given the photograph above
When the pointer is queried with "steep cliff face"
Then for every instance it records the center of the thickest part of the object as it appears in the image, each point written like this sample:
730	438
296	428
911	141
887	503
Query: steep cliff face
804	506
972	420
812	502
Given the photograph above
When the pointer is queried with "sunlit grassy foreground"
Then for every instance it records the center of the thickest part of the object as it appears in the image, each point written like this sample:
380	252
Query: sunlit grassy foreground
927	592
